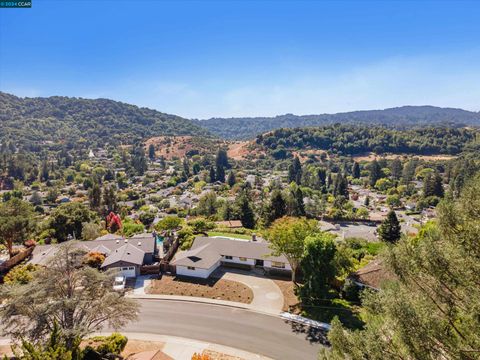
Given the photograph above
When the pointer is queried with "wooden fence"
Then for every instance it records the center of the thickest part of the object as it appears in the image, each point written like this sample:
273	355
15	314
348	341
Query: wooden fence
150	269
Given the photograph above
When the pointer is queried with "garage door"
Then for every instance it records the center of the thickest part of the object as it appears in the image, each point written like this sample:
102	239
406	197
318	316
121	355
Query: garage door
128	271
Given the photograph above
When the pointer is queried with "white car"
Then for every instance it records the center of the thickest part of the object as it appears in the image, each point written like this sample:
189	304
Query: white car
119	283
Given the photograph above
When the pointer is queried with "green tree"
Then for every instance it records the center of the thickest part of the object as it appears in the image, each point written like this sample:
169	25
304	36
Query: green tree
222	159
67	220
245	209
151	152
78	298
231	178
356	170
429	310
138	160
212	177
396	169
318	268
277	207
390	229
16	222
295	171
110	198
95	196
207	204
375	173
220	173
168	223
287	235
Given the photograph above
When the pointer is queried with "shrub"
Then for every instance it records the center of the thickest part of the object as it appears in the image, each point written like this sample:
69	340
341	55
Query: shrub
104	345
351	291
21	274
94	259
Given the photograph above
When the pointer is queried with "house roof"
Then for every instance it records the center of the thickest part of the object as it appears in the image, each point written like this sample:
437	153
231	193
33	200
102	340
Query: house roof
229	223
109	237
206	251
108	245
372	274
126	253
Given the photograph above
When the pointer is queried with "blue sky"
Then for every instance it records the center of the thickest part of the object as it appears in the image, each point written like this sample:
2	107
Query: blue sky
200	59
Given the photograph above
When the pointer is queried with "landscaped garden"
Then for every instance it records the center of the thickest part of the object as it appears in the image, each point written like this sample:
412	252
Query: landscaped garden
219	289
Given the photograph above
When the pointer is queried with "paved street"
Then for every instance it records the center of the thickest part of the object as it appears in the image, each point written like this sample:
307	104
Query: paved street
246	330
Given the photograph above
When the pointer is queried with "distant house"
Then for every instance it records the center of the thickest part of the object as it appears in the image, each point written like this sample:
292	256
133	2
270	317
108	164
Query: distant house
208	253
372	275
125	255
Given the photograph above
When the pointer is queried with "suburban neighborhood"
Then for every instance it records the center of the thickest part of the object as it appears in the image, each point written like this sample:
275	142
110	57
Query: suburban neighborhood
239	180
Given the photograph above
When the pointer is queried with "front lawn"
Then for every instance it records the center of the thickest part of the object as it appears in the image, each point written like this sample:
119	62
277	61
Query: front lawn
219	289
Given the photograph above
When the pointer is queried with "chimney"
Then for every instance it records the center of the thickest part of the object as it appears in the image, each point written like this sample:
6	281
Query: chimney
254	237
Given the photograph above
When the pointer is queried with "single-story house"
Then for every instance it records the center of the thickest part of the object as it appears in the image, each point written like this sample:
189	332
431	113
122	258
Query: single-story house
126	255
207	254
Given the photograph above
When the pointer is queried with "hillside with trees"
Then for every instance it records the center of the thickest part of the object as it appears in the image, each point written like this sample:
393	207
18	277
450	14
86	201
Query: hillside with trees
354	140
401	117
30	121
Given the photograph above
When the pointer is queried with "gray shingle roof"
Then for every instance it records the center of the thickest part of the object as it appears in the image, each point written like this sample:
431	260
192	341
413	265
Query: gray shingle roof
107	244
206	251
126	253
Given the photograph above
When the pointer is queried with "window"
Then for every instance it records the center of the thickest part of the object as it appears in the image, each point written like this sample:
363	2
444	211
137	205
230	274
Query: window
191	267
228	257
243	259
277	264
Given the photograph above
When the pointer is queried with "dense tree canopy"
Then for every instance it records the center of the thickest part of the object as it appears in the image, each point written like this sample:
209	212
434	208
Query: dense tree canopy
431	310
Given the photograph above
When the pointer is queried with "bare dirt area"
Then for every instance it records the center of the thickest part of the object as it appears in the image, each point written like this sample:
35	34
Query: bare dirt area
137	346
372	156
219	289
171	146
5	350
290	300
241	150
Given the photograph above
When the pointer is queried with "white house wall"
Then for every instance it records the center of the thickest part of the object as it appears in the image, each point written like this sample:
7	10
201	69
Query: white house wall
199	273
268	264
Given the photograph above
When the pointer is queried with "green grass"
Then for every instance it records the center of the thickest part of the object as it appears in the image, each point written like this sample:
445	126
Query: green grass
225	234
374	248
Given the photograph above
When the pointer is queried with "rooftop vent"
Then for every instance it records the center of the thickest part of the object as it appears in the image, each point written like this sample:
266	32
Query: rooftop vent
126	240
139	243
118	241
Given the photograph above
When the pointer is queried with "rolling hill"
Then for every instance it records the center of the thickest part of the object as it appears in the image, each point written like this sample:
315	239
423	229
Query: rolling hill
29	121
405	116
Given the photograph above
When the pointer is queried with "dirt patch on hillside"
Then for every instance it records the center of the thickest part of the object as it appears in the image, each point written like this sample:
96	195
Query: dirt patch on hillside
219	289
242	150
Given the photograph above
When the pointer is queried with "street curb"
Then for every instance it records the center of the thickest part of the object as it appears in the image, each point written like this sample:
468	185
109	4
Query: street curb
179	299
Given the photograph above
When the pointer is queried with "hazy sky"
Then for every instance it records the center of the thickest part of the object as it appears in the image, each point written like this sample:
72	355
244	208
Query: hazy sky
201	59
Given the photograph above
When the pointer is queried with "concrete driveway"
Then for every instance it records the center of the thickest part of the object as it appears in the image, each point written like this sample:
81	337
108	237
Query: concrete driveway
267	296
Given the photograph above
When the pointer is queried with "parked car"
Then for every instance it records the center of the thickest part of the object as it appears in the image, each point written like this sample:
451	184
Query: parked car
119	283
